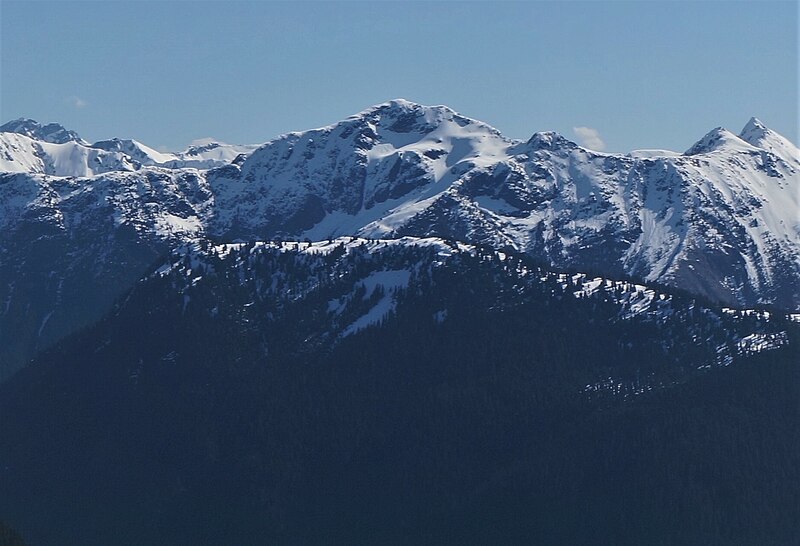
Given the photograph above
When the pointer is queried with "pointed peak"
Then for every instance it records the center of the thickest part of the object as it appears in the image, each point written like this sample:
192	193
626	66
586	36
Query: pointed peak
755	132
716	139
53	133
754	123
762	137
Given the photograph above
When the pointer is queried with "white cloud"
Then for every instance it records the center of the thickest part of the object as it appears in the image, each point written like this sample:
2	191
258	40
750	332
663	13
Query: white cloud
77	102
589	138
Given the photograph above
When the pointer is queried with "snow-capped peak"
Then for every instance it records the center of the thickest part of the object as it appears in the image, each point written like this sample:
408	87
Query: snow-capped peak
23	154
755	137
754	127
547	140
397	107
759	135
717	139
53	133
402	116
135	150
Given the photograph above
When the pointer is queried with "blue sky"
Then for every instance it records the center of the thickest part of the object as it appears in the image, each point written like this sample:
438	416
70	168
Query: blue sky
644	74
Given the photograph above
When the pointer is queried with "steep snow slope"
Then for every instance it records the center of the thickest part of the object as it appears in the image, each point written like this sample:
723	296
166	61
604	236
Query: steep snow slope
19	153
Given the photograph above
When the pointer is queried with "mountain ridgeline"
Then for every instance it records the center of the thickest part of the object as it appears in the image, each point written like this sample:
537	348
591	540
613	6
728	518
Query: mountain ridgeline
81	222
403	328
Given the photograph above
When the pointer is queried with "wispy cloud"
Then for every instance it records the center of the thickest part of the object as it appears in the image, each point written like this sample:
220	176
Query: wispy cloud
76	102
589	138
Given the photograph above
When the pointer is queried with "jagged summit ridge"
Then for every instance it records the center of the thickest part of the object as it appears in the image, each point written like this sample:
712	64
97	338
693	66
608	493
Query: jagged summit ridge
403	116
352	171
400	116
53	133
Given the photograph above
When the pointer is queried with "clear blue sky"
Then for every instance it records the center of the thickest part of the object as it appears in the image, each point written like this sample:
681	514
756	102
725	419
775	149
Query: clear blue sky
644	74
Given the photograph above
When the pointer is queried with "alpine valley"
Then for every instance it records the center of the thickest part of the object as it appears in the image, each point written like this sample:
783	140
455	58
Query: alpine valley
403	328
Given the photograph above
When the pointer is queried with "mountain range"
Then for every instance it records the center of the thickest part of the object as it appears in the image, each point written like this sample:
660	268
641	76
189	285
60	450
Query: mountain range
82	222
400	328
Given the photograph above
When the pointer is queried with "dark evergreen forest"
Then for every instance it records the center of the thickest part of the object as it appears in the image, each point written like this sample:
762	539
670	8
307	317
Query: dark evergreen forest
218	405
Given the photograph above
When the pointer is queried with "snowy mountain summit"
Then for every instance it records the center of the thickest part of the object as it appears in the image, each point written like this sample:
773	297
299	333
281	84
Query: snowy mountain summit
760	136
81	222
720	220
53	133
